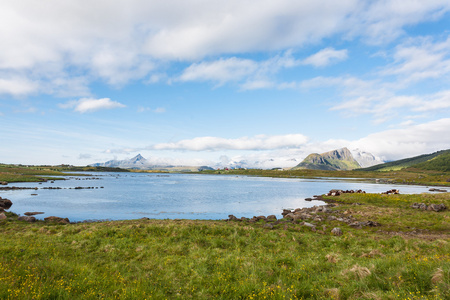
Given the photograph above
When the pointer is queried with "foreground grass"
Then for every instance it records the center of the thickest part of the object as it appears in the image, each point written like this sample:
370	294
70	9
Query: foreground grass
407	257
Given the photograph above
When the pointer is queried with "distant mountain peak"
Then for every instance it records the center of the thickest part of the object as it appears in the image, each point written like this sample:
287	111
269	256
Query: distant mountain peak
339	159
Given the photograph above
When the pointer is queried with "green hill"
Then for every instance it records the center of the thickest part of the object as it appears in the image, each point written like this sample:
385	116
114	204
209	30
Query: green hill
438	161
340	159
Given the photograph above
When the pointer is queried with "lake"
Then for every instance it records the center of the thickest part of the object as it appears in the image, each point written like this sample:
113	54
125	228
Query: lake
118	196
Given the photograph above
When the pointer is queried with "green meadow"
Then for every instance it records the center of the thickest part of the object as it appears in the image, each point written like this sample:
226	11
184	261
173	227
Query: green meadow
406	257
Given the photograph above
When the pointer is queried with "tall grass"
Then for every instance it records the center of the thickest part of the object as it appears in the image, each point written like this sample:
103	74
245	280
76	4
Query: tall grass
183	259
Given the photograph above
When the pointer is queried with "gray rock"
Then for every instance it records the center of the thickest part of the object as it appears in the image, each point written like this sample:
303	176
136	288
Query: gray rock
290	216
337	231
232	218
271	218
27	219
54	219
285	212
437	207
5	203
2	216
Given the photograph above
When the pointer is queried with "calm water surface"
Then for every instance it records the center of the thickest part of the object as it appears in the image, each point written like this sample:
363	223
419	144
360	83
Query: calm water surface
171	196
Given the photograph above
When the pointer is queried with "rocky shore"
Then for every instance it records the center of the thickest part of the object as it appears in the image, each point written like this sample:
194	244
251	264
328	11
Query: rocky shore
311	217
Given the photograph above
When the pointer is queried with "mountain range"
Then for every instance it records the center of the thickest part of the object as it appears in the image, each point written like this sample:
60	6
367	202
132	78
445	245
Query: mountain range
141	163
341	159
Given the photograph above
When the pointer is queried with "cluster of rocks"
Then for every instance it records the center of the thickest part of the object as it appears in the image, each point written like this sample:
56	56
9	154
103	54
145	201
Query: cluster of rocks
3	183
10	188
5	204
393	191
431	207
52	219
309	215
339	192
75	188
437	190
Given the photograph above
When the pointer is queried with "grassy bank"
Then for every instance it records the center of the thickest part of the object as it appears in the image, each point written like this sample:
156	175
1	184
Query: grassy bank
405	176
11	173
406	257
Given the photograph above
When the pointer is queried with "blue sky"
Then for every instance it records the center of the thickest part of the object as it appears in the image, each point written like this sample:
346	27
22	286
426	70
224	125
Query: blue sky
202	82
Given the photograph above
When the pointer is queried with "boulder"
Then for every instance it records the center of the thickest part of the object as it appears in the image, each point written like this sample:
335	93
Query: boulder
437	207
2	216
53	219
27	219
336	231
232	218
5	203
271	218
285	212
33	213
3	183
290	216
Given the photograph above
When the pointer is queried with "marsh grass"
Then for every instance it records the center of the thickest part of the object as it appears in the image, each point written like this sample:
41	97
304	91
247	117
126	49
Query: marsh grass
184	259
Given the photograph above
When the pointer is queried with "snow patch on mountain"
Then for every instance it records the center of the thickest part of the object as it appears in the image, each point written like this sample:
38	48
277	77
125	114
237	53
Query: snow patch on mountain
366	159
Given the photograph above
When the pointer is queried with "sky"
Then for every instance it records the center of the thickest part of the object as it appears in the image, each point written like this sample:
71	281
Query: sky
201	82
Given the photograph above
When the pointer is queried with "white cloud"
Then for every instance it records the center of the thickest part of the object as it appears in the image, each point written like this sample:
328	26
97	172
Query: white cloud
380	99
17	86
130	39
326	57
383	21
259	142
407	142
223	70
85	105
420	59
250	74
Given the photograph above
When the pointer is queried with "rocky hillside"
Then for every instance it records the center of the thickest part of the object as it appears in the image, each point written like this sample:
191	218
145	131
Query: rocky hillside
340	159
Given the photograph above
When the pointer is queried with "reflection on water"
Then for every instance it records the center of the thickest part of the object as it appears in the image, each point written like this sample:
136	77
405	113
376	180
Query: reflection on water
118	196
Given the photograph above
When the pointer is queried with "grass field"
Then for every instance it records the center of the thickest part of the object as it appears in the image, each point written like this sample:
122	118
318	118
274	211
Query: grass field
406	257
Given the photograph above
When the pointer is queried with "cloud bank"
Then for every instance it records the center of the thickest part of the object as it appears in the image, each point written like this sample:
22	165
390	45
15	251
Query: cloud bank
71	40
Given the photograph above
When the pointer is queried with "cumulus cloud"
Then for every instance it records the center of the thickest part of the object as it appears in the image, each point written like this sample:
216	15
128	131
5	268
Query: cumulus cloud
17	86
406	142
85	105
120	44
325	57
259	142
